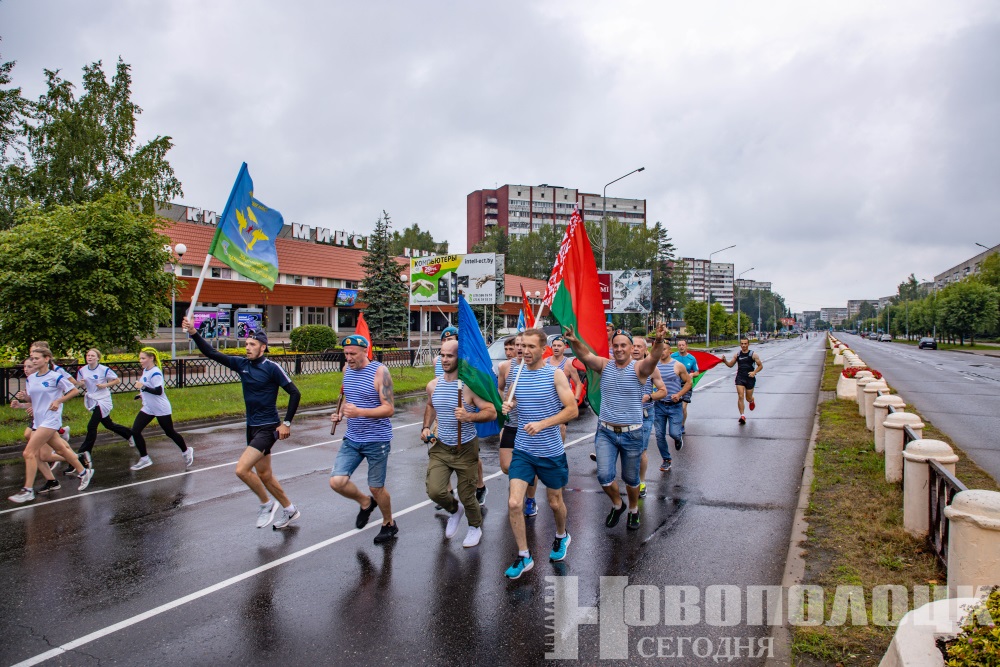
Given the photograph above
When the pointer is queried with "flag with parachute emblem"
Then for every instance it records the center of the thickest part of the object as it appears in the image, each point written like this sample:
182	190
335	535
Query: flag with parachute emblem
475	368
245	236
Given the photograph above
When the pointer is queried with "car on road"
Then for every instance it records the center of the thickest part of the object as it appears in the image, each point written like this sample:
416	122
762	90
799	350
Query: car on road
885	338
927	342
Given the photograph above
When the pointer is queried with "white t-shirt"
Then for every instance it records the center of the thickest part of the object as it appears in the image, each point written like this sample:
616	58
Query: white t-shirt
91	377
157	406
43	389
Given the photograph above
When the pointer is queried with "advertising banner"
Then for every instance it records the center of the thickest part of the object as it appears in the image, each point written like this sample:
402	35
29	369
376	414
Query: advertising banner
787	321
207	321
604	278
437	281
631	290
248	321
346	298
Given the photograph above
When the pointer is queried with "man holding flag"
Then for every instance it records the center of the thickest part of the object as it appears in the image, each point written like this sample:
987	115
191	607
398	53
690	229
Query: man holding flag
691	365
669	413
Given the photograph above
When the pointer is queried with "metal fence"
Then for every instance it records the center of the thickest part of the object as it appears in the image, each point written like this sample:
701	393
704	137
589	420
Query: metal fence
200	371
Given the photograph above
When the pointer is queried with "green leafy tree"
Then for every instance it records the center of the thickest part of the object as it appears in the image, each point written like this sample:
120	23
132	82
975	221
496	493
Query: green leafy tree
908	290
967	308
533	255
84	275
81	149
496	241
387	313
989	271
415	238
13	111
695	317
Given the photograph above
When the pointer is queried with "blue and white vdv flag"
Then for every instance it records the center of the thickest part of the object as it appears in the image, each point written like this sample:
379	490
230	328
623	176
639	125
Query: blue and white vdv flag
521	326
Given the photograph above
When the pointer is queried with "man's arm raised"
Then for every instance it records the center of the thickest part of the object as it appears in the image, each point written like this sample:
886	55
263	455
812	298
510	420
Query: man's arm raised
586	357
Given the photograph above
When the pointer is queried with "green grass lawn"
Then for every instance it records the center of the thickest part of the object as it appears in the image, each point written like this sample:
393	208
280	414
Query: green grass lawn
221	400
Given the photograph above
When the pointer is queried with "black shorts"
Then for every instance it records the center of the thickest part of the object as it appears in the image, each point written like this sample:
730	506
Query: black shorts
744	381
262	438
507	436
687	397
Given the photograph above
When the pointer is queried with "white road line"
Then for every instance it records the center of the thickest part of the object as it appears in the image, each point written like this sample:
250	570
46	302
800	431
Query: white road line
88	494
173	604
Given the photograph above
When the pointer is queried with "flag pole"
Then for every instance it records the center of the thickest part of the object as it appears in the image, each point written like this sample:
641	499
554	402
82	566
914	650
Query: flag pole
520	367
197	288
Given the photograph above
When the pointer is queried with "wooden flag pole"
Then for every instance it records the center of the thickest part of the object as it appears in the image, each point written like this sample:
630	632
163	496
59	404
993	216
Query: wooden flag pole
197	288
520	367
459	393
340	403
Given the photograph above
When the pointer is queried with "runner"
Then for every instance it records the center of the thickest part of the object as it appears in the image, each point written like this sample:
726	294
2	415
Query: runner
746	375
563	363
96	380
691	364
448	455
47	390
505	379
368	404
669	410
260	378
620	422
155	405
543	400
449	333
652	392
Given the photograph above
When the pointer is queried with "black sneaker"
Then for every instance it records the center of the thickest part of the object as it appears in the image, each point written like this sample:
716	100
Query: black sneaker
615	516
50	485
86	459
481	495
679	443
388	532
593	456
632	522
365	514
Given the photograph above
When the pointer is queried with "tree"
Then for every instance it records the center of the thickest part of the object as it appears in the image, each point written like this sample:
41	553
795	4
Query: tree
968	307
495	240
695	317
84	275
415	238
81	149
909	290
13	110
989	271
387	296
533	255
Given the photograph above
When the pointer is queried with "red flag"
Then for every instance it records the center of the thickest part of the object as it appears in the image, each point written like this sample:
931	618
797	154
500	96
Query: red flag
362	330
705	361
529	317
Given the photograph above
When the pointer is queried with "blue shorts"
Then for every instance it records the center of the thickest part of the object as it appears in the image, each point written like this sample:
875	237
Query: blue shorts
352	453
554	472
610	445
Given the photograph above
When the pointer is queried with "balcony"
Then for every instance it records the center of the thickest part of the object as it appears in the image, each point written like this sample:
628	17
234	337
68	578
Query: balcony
491	200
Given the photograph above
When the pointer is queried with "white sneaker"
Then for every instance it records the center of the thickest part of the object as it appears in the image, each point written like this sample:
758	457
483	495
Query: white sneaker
189	457
65	433
23	496
144	462
266	513
286	518
85	477
472	537
131	441
54	466
453	522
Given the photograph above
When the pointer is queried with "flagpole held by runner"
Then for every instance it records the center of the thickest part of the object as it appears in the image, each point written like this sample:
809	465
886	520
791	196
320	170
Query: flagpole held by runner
459	394
340	404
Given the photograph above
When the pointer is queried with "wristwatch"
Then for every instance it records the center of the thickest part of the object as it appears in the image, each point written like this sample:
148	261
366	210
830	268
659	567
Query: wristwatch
286	423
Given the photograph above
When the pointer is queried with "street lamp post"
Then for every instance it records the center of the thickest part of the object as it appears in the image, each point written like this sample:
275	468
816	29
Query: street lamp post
604	215
739	300
708	311
178	250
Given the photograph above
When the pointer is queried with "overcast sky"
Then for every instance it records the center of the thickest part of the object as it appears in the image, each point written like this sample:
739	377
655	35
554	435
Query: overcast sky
840	145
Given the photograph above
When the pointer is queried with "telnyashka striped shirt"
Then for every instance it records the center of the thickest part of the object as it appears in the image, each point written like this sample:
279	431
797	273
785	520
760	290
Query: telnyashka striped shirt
359	389
537	399
621	394
445	400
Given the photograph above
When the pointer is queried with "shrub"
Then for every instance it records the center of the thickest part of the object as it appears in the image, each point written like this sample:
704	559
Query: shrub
977	643
638	331
313	338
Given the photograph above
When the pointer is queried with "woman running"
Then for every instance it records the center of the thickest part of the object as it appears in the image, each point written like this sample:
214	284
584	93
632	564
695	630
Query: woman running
48	389
97	379
154	406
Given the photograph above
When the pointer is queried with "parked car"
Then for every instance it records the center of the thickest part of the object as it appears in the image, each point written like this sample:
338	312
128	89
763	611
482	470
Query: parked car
885	338
927	342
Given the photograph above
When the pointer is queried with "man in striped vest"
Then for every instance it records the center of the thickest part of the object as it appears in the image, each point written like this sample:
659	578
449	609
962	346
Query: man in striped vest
620	422
368	405
669	416
544	401
455	449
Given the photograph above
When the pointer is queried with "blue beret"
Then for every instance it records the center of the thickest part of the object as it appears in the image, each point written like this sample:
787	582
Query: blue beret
449	331
360	341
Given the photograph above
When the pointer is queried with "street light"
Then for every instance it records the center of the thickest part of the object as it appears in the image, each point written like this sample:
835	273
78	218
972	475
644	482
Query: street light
739	300
604	215
178	250
981	245
708	311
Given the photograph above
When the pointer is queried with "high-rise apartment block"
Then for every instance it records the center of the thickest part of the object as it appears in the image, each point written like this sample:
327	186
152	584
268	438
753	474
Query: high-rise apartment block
706	278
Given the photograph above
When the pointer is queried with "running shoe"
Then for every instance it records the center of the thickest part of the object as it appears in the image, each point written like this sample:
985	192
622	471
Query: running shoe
665	466
266	513
85	477
642	489
743	419
481	495
559	547
632	522
189	457
472	537
615	515
752	405
285	518
144	462
530	507
593	456
520	566
388	532
131	441
679	443
55	466
50	485
453	521
364	514
86	459
23	496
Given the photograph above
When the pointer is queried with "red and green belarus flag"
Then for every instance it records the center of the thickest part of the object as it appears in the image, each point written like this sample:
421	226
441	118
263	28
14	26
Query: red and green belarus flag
573	296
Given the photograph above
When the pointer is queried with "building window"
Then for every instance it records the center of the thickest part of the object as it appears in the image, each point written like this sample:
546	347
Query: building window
350	284
311	281
225	274
347	318
187	271
315	315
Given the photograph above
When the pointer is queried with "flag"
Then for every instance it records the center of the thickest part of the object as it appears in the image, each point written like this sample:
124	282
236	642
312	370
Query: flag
529	317
475	367
363	330
573	296
520	321
705	361
244	238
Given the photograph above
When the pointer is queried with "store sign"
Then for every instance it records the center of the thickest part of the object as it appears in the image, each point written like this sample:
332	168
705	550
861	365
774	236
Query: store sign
438	280
604	280
343	239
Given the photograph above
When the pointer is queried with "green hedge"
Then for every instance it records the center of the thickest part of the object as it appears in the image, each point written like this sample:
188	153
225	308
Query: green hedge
313	338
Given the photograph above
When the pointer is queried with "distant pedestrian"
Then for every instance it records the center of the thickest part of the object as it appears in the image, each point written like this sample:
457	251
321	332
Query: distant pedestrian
748	365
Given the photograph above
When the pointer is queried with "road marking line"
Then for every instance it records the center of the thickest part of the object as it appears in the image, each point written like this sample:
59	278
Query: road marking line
173	604
179	474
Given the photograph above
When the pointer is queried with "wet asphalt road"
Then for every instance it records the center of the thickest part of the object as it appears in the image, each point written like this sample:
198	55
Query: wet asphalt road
165	566
958	392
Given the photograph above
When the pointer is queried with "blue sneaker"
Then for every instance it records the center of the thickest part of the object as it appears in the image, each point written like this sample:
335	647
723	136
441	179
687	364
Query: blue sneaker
559	548
530	507
520	566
